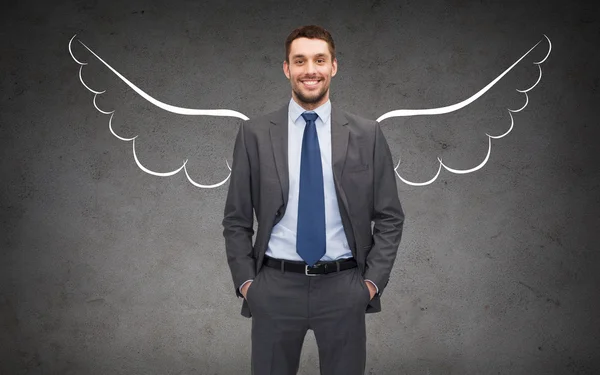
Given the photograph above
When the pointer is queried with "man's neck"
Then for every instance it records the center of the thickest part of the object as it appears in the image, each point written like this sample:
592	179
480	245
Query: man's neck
310	106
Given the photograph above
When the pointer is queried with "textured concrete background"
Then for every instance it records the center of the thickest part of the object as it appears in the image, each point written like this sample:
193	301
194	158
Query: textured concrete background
105	269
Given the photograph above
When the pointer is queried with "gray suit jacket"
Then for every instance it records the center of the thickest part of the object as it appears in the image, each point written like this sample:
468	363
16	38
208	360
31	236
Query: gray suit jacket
365	184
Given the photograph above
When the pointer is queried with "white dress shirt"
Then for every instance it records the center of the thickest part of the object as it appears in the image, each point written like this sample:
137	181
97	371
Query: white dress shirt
282	243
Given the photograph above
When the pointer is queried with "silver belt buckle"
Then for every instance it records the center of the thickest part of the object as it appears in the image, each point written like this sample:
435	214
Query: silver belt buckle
306	271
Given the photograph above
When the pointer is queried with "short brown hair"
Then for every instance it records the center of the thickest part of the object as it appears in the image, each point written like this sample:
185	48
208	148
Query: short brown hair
310	32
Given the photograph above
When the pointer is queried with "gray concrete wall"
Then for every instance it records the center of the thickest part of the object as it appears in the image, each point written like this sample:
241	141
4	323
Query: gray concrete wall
105	269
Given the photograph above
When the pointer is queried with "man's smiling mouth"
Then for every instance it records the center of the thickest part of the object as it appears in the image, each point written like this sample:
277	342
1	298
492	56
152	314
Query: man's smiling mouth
311	82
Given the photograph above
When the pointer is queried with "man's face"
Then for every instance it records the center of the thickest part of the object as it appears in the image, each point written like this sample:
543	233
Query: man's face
310	70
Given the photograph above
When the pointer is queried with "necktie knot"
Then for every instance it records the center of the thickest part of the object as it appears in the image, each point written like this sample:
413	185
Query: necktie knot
309	116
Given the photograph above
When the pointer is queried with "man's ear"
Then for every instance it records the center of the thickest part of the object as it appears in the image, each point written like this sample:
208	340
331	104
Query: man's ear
286	69
334	69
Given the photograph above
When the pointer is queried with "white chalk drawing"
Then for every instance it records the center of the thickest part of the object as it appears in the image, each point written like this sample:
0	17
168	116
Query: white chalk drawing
464	103
395	113
166	107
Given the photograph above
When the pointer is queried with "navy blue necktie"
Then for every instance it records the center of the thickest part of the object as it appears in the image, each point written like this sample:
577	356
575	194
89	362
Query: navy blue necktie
310	238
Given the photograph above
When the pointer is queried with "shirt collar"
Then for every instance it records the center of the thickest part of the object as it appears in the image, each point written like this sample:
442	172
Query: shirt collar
323	111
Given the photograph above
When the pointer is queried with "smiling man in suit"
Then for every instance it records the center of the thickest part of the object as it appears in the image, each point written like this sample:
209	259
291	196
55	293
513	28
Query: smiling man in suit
321	183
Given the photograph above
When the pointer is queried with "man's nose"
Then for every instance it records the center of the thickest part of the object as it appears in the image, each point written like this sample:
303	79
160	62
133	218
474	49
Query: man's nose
311	67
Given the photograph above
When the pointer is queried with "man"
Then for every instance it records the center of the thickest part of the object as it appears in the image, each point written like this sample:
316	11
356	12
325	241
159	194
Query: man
316	178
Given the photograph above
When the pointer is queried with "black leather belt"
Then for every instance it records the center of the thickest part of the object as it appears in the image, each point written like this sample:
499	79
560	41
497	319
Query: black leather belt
320	268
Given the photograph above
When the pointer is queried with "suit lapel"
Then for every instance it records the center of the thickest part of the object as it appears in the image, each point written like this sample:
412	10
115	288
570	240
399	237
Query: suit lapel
279	143
339	148
339	142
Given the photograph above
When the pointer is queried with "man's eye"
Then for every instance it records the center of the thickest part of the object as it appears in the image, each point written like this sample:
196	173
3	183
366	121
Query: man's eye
298	61
321	60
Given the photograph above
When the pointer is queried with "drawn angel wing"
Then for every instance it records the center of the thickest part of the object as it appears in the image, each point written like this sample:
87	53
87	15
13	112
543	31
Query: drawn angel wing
464	103
231	113
164	106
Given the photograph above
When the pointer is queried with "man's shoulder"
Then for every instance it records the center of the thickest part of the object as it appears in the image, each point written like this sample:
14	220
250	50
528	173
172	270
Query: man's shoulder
355	119
265	119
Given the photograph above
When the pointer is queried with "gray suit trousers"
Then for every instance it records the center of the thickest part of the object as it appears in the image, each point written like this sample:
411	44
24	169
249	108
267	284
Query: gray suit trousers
284	305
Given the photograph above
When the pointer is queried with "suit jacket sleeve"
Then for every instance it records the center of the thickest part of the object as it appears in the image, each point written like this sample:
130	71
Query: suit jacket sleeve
387	217
238	216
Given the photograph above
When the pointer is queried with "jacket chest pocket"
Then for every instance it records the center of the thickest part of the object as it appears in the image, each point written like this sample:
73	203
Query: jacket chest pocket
354	168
